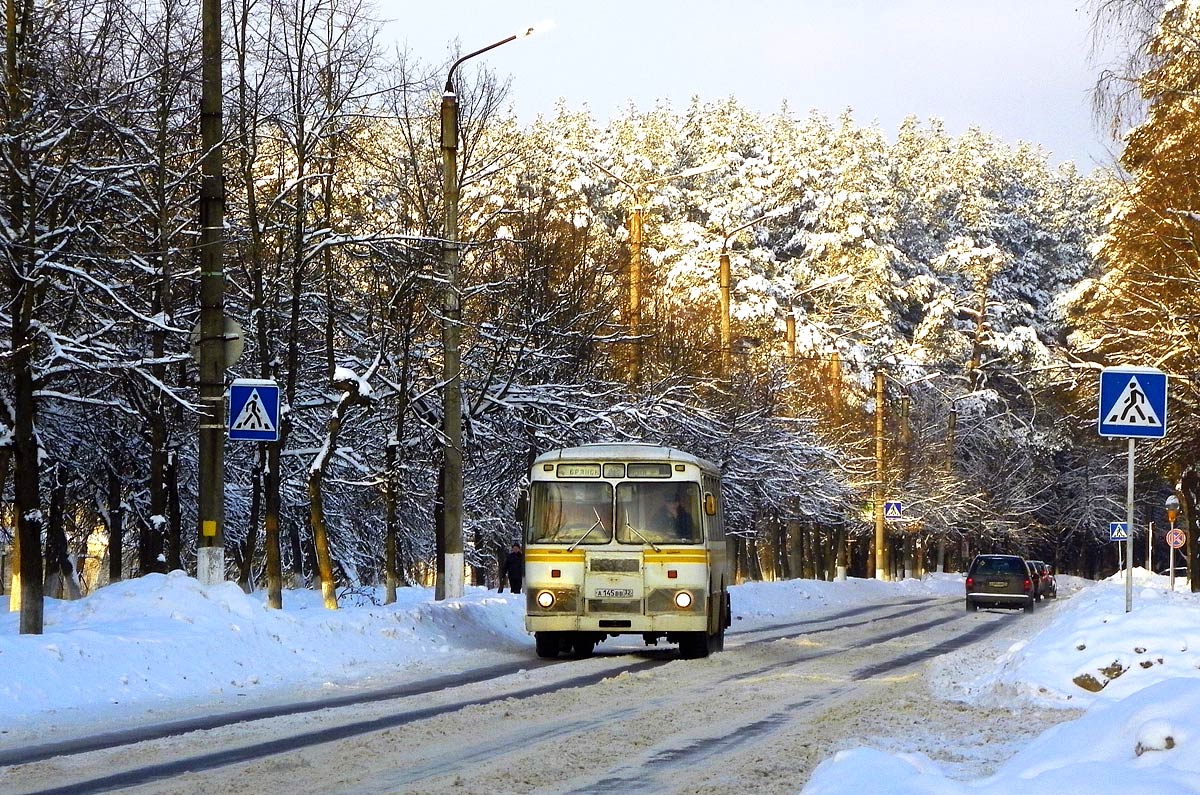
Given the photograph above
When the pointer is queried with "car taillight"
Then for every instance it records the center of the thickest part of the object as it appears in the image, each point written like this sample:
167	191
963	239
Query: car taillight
1028	585
970	582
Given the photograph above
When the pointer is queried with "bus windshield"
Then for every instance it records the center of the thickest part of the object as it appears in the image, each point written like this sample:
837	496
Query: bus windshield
569	512
658	513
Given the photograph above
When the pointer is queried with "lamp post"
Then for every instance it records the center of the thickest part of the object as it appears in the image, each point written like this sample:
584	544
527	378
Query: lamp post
450	563
637	191
1172	506
790	318
725	279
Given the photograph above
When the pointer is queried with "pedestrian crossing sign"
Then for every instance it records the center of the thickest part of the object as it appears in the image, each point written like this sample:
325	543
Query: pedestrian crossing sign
1133	402
254	410
893	511
1118	531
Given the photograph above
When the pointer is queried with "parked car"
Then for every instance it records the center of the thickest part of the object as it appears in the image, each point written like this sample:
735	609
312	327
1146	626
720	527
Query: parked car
1047	585
1000	581
1035	578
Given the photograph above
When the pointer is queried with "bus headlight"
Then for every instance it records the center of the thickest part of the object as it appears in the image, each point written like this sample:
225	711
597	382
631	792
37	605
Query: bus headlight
683	600
545	599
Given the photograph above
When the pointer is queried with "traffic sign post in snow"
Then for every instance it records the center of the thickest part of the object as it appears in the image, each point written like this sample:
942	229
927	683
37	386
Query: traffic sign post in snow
1133	402
254	410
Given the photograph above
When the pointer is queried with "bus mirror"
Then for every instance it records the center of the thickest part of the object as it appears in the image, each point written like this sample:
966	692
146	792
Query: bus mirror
522	507
710	505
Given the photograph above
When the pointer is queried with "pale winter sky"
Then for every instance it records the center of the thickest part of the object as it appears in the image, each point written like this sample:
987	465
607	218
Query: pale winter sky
1020	69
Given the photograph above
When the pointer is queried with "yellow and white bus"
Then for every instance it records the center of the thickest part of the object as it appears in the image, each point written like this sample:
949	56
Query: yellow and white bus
625	539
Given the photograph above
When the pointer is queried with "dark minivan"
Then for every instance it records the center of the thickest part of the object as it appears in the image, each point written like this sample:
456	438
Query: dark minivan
999	581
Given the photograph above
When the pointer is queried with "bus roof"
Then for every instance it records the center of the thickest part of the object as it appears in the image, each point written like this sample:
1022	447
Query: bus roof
624	451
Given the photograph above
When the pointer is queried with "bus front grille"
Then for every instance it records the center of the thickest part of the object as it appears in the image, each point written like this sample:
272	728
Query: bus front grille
614	606
615	564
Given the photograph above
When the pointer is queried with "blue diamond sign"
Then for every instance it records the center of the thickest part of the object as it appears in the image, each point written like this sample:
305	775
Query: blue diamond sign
254	410
1133	402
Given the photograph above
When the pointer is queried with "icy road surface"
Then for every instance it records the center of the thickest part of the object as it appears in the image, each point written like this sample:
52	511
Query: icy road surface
756	718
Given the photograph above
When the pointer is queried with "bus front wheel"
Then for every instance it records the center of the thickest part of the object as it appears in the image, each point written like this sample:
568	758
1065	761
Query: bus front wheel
548	644
693	645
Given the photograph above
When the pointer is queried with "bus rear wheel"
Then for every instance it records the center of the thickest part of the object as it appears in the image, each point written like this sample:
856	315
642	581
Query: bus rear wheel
582	645
716	642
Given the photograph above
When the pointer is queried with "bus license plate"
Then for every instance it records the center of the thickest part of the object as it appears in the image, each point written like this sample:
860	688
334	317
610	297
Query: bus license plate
614	593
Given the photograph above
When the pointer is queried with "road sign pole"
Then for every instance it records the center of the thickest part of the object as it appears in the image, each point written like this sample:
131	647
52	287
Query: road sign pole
1150	547
1132	404
1129	537
1171	563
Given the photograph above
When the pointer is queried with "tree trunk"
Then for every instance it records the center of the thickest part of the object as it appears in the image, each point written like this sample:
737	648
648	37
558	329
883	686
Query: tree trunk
27	563
389	538
249	546
795	546
316	512
271	527
1190	487
116	527
22	304
174	527
60	580
843	554
351	396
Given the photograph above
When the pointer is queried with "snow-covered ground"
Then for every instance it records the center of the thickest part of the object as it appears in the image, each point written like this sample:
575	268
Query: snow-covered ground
161	647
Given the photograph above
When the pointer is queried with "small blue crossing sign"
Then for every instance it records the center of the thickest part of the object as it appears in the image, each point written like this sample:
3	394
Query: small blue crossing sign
254	410
1133	402
893	511
1118	531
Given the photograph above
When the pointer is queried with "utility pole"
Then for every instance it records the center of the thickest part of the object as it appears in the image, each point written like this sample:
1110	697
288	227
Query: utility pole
726	332
636	226
726	280
449	581
635	287
210	544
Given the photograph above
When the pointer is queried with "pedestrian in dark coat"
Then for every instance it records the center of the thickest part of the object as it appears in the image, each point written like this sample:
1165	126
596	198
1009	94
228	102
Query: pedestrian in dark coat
513	569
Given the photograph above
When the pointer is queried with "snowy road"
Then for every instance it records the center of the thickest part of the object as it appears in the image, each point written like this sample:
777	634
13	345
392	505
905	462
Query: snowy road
758	718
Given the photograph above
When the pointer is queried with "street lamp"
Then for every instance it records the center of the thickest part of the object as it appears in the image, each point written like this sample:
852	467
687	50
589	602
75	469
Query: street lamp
450	563
725	280
635	251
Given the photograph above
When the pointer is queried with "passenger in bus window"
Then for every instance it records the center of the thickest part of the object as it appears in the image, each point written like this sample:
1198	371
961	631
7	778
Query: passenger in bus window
674	519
